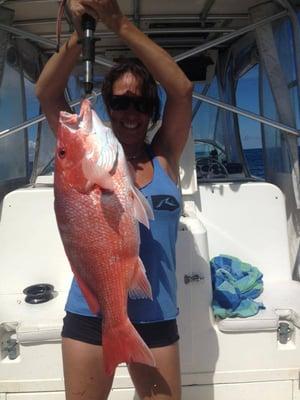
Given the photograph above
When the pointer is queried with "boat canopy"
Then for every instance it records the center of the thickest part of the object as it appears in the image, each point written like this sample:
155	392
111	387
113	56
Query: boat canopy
217	43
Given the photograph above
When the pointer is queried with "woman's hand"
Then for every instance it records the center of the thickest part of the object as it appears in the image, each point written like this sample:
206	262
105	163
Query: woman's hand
108	11
77	9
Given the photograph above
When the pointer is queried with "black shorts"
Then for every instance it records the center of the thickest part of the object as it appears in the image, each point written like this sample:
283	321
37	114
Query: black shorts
89	330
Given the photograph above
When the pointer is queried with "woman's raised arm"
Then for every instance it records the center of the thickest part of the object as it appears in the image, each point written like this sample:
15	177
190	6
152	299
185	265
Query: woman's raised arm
170	140
53	80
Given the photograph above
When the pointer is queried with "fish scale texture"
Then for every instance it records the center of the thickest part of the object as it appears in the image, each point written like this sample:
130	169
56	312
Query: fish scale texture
101	239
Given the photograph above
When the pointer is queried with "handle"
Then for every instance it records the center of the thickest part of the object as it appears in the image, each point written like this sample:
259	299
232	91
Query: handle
88	25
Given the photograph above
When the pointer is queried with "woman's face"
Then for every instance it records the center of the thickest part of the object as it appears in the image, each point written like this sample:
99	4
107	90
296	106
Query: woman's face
129	125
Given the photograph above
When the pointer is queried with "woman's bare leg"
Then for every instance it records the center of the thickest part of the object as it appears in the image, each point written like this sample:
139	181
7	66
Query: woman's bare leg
162	382
84	374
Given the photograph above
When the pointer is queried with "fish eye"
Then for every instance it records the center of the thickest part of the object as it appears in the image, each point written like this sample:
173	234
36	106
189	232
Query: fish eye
62	153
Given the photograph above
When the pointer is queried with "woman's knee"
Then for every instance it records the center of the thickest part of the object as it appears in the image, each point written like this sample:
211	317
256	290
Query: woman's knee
162	381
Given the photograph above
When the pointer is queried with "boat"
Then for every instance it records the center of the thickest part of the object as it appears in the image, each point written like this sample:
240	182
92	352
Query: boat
244	59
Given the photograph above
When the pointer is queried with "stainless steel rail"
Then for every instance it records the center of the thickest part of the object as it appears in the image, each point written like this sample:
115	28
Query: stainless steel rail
146	18
39	118
248	114
193	17
43	38
182	56
28	35
206	99
230	36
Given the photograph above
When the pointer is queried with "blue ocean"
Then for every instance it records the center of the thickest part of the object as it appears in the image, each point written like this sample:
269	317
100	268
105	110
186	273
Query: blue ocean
254	158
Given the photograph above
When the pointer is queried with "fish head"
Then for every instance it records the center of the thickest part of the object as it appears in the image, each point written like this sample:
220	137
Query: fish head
71	151
75	146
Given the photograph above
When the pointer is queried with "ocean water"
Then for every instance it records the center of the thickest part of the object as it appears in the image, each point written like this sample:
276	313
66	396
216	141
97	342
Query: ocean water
254	158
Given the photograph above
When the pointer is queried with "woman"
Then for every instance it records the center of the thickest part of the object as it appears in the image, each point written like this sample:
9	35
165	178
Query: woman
131	108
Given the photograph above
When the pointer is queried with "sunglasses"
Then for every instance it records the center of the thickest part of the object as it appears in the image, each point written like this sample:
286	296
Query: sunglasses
122	103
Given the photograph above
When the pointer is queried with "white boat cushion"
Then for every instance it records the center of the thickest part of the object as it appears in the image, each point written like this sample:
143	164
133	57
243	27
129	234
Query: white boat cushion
282	302
265	320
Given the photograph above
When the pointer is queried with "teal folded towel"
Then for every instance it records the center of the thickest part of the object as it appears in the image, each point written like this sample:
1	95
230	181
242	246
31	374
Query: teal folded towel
235	285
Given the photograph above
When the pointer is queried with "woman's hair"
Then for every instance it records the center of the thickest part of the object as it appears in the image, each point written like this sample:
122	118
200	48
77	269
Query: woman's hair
149	86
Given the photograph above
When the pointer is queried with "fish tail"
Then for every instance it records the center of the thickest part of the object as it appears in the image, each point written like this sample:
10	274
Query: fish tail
123	344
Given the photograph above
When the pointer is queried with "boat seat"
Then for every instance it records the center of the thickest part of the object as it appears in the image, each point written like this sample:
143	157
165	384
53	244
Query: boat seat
282	302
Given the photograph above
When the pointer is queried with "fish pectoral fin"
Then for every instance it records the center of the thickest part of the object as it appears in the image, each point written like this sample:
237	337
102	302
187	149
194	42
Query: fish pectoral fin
89	296
140	287
141	208
96	175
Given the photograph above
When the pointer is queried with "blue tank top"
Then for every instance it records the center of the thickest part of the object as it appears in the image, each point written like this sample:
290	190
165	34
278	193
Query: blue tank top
157	251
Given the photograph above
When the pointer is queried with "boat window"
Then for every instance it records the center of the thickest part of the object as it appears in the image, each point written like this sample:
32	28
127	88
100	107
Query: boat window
247	97
205	119
215	141
277	150
209	151
286	50
32	110
13	148
74	91
41	139
283	35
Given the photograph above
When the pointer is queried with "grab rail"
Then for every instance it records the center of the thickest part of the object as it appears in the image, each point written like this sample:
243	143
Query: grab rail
267	121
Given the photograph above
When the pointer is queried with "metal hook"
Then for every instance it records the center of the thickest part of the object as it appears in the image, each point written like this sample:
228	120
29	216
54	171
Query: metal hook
92	97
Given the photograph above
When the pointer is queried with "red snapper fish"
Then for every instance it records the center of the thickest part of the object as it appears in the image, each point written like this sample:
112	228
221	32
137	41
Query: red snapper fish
98	209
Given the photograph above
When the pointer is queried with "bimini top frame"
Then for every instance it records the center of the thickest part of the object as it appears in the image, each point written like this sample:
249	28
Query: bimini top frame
199	49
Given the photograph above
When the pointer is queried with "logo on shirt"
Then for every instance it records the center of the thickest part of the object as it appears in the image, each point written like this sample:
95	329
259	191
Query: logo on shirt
164	202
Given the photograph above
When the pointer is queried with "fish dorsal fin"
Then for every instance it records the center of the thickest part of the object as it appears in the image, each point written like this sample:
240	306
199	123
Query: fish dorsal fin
107	145
109	151
140	287
100	162
141	208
